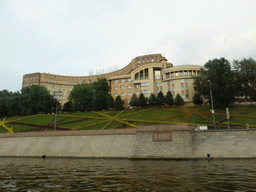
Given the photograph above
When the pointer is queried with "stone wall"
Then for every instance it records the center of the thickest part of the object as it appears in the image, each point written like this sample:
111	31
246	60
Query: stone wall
146	141
153	141
225	143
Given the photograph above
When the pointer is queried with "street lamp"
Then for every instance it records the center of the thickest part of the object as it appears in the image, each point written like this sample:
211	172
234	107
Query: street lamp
56	111
212	103
56	115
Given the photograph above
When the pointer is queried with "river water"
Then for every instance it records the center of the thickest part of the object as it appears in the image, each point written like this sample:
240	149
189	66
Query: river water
71	174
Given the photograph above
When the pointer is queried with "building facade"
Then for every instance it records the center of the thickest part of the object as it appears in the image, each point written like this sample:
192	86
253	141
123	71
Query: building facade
144	74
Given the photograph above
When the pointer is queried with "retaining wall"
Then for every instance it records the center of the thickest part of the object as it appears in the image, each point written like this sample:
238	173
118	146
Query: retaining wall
153	141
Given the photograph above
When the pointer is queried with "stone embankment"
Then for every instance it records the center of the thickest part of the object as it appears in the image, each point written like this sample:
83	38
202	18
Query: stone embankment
152	141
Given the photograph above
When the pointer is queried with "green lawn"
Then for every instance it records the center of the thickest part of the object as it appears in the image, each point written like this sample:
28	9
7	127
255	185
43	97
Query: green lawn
132	118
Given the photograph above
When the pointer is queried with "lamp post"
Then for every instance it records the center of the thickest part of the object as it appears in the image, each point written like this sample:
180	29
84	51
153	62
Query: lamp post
56	115
212	103
56	111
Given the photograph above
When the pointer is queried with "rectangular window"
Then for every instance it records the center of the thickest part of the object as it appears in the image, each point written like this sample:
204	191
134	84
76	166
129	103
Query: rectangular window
129	80
172	74
129	86
186	88
141	74
122	94
186	80
161	84
183	96
116	81
122	87
144	84
181	81
167	75
176	74
122	80
194	73
145	91
182	88
137	76
168	82
136	93
146	73
157	84
172	82
136	86
116	88
185	73
181	73
130	93
187	96
157	74
190	73
116	94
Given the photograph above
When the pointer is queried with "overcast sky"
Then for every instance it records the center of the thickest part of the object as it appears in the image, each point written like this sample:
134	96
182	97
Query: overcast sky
71	37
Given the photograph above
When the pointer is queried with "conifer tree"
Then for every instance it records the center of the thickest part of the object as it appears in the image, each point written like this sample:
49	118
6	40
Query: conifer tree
142	102
178	100
169	98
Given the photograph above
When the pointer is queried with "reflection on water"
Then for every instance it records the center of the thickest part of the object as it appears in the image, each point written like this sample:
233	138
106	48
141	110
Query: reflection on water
66	174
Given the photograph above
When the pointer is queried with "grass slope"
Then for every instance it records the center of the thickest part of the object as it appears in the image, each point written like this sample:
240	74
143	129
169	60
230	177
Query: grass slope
131	118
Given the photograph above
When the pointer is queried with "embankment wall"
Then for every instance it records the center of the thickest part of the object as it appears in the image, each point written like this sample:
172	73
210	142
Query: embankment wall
153	141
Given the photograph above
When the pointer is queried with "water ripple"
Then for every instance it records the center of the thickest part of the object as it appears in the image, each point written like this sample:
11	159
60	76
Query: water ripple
65	174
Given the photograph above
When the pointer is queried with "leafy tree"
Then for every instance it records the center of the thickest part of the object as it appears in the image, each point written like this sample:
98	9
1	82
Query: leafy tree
169	99
68	107
134	101
160	98
245	75
142	102
4	95
35	99
90	96
197	99
178	100
118	103
81	97
152	100
110	102
217	74
14	104
100	90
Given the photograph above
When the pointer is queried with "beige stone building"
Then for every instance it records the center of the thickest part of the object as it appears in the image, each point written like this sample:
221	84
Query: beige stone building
144	74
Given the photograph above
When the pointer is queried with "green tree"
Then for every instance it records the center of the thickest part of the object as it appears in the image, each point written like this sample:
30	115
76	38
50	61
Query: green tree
142	102
134	101
4	95
35	99
160	98
110	102
169	99
152	100
81	97
100	94
118	103
178	100
68	107
100	97
245	75
197	99
217	73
